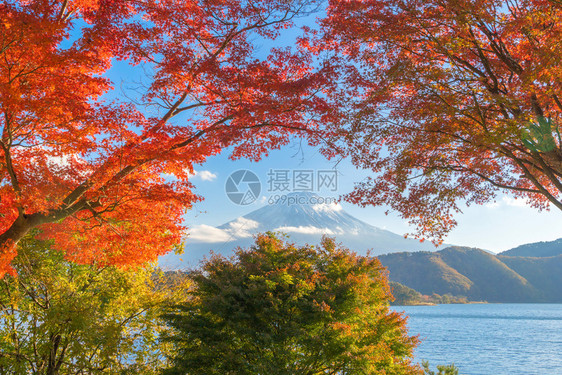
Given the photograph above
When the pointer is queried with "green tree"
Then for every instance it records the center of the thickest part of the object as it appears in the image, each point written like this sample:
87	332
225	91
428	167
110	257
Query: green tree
57	317
442	369
404	295
279	309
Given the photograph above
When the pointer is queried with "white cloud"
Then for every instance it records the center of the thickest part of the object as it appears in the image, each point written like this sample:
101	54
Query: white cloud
206	175
207	233
493	204
520	202
202	175
508	201
59	161
305	230
332	207
76	164
241	227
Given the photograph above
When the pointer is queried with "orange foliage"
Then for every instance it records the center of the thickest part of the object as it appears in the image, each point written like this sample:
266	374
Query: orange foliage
453	101
105	178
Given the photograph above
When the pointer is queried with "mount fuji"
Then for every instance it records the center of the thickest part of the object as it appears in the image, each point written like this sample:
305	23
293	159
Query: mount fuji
305	218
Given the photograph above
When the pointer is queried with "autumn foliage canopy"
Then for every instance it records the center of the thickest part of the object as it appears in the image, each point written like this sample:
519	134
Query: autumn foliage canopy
445	101
460	100
106	175
276	308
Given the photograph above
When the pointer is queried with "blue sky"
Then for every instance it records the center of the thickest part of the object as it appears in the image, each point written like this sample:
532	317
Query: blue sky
498	226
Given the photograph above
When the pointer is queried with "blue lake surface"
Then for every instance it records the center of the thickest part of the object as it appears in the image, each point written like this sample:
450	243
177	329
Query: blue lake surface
489	339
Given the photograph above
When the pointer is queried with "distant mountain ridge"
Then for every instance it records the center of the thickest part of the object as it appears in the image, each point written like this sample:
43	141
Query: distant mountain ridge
478	275
537	249
304	217
528	273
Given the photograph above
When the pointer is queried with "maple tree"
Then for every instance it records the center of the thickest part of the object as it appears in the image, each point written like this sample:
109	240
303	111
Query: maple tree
282	309
452	101
92	169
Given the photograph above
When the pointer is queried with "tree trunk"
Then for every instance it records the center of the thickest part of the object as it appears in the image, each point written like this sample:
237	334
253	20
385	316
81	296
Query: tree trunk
9	239
52	368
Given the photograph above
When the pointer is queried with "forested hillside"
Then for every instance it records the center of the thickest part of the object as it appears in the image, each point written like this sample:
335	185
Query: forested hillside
478	275
537	249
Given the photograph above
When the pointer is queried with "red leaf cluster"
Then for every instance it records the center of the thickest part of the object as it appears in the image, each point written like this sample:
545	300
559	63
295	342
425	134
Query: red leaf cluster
106	176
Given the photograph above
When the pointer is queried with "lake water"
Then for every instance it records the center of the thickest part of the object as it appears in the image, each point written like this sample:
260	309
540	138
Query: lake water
489	339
